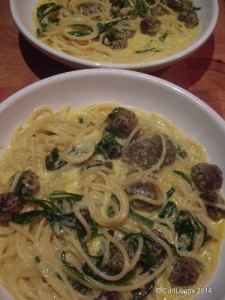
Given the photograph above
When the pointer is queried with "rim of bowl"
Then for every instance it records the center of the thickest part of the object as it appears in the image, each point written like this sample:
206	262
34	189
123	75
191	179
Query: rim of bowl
110	72
72	60
34	87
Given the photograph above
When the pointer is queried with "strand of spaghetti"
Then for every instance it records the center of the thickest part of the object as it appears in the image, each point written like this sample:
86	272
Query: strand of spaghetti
134	175
141	282
14	278
50	276
100	273
98	216
168	224
128	265
161	242
208	225
84	223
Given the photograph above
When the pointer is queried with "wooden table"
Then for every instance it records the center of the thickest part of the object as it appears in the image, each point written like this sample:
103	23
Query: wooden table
203	73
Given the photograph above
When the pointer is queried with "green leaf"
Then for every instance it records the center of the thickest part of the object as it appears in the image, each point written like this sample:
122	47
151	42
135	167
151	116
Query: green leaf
72	269
53	161
139	218
81	30
109	147
102	28
168	210
170	192
61	197
141	293
184	176
186	227
43	11
27	217
164	36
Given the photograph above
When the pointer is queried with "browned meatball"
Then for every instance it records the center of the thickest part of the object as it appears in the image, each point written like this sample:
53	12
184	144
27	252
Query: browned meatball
150	25
179	5
189	18
26	183
115	261
90	8
146	153
116	39
121	122
213	212
186	272
10	206
207	176
145	189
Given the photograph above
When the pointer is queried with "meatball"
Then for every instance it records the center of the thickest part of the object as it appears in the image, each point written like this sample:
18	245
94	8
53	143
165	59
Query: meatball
156	248
116	39
185	272
146	153
189	18
207	176
145	189
213	212
150	25
121	121
115	261
179	5
10	206
90	8
26	183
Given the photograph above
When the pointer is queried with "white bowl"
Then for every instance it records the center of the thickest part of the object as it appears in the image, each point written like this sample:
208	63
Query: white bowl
23	10
85	87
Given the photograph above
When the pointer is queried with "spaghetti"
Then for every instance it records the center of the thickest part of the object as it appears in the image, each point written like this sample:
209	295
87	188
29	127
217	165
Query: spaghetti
105	203
117	31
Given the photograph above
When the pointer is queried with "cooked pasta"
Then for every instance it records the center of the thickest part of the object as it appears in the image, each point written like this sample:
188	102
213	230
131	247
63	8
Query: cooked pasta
111	31
107	203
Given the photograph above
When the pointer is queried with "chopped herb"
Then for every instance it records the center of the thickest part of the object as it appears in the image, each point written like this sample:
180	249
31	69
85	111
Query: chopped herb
168	210
139	218
56	195
43	11
184	176
53	161
81	30
170	192
27	217
141	293
186	227
72	269
109	147
164	36
37	259
102	28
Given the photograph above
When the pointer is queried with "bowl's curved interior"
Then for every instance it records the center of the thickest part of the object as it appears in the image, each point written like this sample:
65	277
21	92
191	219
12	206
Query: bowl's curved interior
87	87
23	10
